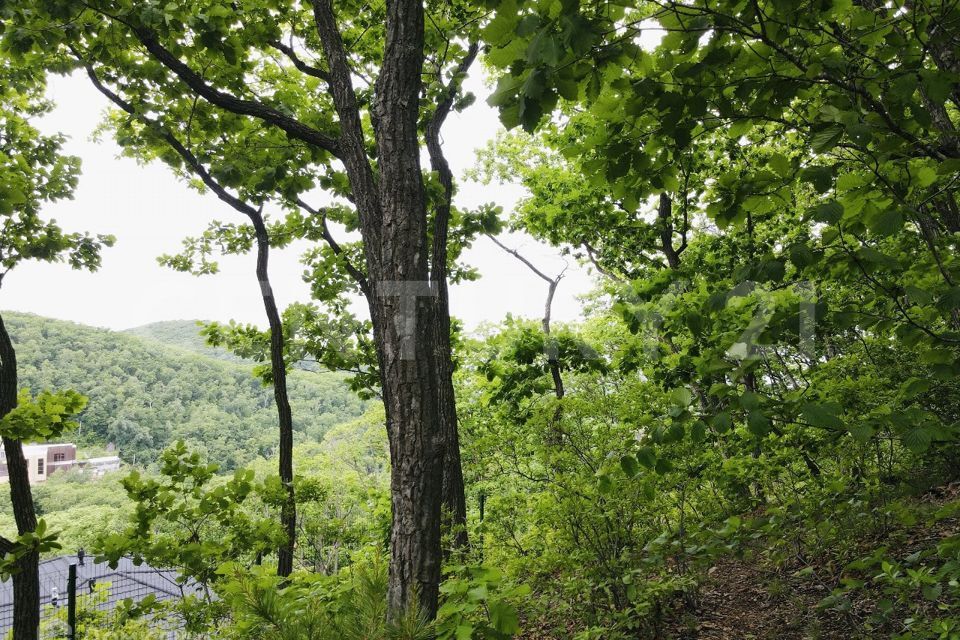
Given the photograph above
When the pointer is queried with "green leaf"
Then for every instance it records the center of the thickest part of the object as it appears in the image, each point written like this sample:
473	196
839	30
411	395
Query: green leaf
801	255
506	91
739	128
504	25
663	466
604	484
722	422
698	432
504	618
917	439
820	177
826	139
829	212
821	415
750	400
925	176
568	89
917	295
646	457
874	256
950	300
478	593
937	85
780	164
914	387
861	432
630	466
887	222
937	356
758	423
681	396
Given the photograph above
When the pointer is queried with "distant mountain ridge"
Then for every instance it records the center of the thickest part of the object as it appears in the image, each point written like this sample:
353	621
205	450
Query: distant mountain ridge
153	385
181	334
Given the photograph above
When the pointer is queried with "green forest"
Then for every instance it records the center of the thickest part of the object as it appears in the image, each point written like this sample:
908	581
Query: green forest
149	387
752	431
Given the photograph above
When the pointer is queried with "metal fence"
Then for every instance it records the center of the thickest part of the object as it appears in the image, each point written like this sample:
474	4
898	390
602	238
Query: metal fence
75	589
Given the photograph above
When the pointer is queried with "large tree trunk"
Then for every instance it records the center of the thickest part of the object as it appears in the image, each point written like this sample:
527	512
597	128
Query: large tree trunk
26	582
404	312
278	368
416	453
403	304
408	311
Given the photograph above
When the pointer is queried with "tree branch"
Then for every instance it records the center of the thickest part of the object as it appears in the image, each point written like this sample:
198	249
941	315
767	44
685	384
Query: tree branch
6	546
293	127
298	62
553	361
364	185
449	93
441	222
592	256
516	254
188	157
354	272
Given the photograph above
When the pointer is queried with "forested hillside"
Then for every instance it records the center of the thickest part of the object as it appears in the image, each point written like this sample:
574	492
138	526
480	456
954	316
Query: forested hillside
180	334
144	395
752	432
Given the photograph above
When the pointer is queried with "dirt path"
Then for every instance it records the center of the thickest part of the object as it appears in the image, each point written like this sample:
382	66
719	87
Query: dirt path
741	601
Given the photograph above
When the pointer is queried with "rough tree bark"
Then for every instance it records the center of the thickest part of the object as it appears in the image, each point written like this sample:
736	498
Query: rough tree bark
665	222
26	582
453	491
404	308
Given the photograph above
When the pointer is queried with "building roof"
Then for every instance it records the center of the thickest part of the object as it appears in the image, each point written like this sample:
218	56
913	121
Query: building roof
101	460
126	581
34	449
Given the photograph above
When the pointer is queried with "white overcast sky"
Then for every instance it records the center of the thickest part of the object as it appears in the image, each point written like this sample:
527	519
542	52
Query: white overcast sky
149	212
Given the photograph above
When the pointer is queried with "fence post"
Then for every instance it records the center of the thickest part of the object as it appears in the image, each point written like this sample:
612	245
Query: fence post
72	602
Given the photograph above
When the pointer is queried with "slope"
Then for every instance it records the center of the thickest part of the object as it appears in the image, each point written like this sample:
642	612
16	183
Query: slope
144	394
181	334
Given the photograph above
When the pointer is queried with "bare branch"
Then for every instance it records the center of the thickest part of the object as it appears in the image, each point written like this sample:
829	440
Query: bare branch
552	355
298	62
516	254
354	272
592	256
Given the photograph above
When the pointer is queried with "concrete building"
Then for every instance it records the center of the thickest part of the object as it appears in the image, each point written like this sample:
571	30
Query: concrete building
45	459
100	466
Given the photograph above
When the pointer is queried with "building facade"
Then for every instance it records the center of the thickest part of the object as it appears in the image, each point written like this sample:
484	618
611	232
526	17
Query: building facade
46	459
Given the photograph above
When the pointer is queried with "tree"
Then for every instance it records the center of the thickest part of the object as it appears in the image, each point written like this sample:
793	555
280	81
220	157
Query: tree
32	172
864	91
278	366
768	189
291	71
743	115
